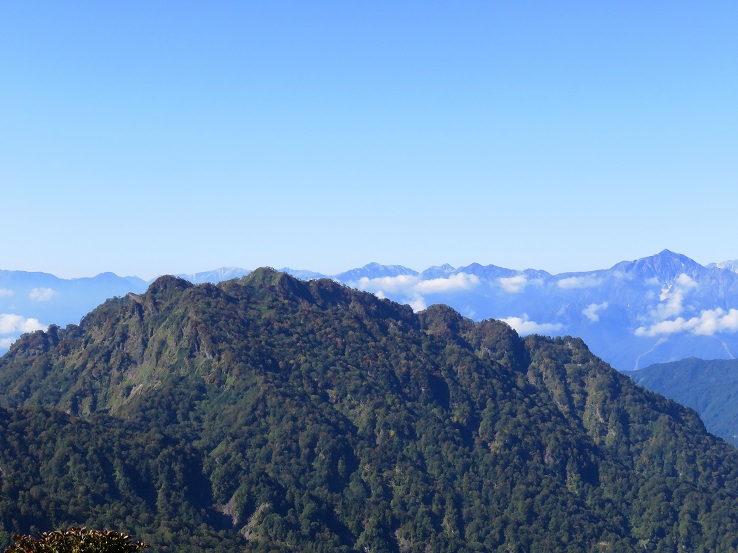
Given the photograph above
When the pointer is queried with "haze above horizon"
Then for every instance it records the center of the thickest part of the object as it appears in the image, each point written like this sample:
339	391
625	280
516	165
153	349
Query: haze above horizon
177	137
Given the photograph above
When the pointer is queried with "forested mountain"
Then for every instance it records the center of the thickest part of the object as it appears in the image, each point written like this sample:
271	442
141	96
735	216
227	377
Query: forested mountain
708	386
269	413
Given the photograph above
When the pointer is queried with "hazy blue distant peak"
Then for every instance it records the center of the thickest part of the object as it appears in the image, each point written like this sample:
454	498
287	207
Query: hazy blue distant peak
11	278
374	270
107	275
23	280
216	275
729	265
136	281
302	274
664	266
487	272
438	271
536	273
109	278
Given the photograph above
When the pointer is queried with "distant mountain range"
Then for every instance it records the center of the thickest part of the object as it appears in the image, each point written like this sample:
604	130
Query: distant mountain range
33	300
656	309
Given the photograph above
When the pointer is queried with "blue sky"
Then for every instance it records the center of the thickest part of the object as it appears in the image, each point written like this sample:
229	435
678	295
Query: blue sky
173	137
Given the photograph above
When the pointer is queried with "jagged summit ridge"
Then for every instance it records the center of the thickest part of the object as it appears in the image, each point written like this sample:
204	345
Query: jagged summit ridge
666	266
374	270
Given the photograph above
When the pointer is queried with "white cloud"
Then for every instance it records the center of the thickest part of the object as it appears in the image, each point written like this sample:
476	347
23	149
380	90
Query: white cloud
412	285
418	304
668	320
411	289
672	297
5	293
523	326
578	282
14	324
454	283
592	311
6	342
396	284
513	284
709	322
42	294
716	320
663	328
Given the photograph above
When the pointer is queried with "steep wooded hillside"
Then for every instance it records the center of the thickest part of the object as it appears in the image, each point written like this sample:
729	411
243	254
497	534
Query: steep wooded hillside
58	471
710	387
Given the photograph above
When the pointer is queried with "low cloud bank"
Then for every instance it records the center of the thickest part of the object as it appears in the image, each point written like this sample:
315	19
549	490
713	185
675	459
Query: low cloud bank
11	326
396	284
513	284
455	283
673	297
16	324
412	289
578	282
668	320
708	323
523	326
412	285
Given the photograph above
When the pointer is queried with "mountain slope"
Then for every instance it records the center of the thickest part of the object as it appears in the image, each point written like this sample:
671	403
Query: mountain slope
58	471
710	387
328	419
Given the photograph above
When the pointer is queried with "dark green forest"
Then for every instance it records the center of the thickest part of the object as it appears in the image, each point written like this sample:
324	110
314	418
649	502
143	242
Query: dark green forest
272	414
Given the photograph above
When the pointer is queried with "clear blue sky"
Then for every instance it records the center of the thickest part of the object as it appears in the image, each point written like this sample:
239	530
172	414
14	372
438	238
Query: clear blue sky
150	137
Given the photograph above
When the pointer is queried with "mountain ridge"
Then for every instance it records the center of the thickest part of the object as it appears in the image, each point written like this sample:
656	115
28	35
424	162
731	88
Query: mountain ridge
654	309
